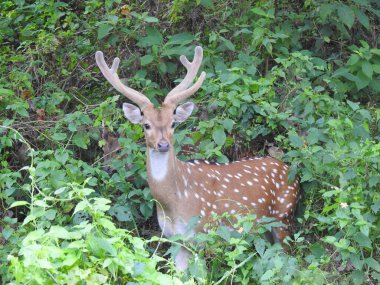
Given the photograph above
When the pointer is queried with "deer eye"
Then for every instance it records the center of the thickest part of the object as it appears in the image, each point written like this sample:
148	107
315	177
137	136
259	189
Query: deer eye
146	126
173	125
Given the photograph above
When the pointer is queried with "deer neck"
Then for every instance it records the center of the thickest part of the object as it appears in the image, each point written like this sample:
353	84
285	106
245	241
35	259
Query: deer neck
162	168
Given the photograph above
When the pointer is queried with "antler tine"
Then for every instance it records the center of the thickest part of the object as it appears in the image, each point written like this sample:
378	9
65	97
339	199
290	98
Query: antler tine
182	91
111	75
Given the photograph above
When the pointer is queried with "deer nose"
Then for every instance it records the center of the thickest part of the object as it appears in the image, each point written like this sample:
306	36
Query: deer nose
163	146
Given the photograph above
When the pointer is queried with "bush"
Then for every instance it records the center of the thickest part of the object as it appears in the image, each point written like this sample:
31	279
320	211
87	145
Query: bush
296	80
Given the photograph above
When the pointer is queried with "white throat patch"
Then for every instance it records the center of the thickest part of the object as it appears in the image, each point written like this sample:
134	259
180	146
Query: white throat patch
158	164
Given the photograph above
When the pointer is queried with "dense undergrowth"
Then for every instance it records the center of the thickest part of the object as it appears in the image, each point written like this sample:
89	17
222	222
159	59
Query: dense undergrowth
298	80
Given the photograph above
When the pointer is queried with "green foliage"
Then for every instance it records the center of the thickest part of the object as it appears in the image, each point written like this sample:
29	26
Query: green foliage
300	77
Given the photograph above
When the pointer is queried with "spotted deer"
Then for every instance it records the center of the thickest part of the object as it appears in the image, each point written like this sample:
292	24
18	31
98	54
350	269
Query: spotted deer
199	188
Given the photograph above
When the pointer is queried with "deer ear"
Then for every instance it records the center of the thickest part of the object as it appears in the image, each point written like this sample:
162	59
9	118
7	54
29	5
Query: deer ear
183	111
132	113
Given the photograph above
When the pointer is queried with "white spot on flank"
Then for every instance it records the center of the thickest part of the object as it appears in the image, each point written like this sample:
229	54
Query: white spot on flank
236	190
226	205
249	183
277	186
246	171
224	186
263	168
226	179
245	198
196	195
289	205
203	213
255	179
158	162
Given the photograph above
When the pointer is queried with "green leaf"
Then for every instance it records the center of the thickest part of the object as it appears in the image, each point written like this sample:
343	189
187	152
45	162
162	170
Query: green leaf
207	3
154	37
150	19
219	136
61	156
363	19
261	12
224	233
354	58
6	92
267	275
146	59
19	203
357	277
374	264
367	69
80	140
180	39
361	80
376	68
228	124
312	136
7	232
347	15
103	30
295	140
59	136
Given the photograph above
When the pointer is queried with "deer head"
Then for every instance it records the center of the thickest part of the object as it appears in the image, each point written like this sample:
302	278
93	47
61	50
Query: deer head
158	123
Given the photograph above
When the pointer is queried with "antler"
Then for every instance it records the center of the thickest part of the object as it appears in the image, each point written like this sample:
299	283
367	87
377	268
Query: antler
111	75
182	91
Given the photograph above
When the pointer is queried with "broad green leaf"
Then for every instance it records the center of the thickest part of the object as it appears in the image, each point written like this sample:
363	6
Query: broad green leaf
361	80
224	233
7	232
207	3
228	125
346	14
376	68
363	19
374	264
180	39
154	37
267	275
150	19
357	277
61	155
312	136
19	203
354	58
6	92
59	136
146	59
296	140
103	30
80	140
219	136
261	12
367	69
